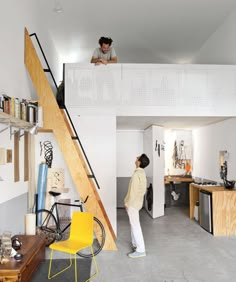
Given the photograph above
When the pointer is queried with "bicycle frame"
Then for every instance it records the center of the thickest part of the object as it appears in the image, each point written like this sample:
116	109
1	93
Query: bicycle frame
56	214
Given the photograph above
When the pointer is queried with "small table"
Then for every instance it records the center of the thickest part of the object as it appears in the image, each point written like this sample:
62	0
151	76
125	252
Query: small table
33	250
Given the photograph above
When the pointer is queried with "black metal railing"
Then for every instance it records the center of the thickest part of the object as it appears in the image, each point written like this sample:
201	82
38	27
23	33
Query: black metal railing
48	67
76	137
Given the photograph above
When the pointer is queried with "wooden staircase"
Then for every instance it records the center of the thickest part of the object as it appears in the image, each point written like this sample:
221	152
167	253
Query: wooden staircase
55	119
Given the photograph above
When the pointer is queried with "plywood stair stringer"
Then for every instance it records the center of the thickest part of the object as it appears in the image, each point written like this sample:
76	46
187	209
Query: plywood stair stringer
54	119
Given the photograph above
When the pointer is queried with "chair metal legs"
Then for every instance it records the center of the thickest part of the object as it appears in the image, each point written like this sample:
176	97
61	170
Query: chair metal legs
95	264
50	276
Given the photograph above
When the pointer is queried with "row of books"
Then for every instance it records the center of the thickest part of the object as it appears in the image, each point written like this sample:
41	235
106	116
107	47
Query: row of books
19	108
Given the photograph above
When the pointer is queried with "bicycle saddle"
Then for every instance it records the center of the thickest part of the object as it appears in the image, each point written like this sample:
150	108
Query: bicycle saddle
54	194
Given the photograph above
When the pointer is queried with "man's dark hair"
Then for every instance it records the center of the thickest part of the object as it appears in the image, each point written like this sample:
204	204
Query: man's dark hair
105	40
144	161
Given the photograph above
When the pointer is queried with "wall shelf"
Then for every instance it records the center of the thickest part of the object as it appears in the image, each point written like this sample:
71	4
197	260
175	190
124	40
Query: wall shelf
11	121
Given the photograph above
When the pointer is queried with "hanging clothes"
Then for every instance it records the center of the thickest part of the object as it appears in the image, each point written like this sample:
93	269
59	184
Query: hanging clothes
175	155
149	197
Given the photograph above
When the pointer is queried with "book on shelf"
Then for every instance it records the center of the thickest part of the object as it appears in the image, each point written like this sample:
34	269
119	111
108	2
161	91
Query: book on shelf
5	101
12	106
17	108
23	111
26	110
32	111
2	101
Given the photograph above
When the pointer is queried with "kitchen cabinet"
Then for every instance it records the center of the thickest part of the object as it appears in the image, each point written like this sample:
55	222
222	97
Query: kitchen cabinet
223	208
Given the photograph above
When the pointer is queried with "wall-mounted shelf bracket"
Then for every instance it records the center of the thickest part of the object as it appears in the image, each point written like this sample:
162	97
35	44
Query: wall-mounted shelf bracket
5	128
21	134
15	131
19	124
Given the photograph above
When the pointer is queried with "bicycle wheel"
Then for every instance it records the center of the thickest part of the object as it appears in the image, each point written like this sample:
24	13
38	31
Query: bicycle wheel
47	225
98	240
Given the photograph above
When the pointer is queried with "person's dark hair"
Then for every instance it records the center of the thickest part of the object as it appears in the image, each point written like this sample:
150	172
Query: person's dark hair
144	161
105	40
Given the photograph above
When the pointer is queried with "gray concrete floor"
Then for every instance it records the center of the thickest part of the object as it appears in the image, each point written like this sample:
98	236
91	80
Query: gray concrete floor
178	250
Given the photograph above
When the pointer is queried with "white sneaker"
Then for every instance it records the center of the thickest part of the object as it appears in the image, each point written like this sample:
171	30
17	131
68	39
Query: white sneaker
137	255
175	195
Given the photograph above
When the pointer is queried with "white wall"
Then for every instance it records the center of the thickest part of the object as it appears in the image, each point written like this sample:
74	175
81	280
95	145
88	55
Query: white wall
207	142
220	47
129	146
14	16
98	137
14	79
8	188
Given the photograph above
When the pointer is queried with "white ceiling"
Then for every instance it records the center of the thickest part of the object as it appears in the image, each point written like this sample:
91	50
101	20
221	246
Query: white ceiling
151	31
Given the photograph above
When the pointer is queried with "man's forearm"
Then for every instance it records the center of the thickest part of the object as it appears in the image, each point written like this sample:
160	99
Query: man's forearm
95	60
103	61
112	61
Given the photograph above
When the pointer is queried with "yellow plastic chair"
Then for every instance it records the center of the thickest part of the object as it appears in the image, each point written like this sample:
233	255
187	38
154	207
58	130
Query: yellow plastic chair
81	236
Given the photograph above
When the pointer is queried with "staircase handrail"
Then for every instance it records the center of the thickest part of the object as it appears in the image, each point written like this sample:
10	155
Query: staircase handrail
76	137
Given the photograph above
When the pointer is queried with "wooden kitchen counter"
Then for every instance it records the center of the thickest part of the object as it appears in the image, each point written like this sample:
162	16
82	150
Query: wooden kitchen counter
177	178
223	208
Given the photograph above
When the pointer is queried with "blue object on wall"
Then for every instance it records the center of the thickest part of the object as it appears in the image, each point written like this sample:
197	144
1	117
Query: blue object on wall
41	187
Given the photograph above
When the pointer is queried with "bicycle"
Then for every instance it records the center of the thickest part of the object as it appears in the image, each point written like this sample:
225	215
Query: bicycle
50	224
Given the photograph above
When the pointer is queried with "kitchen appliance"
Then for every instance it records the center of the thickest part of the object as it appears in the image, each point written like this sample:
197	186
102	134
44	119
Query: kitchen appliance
205	201
206	183
223	174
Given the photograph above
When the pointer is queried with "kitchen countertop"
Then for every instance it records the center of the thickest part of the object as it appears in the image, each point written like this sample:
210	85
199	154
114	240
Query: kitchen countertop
212	188
177	178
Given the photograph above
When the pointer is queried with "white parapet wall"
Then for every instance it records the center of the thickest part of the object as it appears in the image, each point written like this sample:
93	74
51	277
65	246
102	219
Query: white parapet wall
153	89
